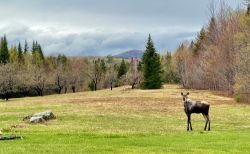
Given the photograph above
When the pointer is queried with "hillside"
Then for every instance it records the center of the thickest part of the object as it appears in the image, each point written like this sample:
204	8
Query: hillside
125	121
130	54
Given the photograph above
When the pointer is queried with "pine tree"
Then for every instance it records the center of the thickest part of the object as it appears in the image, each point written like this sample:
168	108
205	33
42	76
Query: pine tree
37	54
151	67
34	47
199	41
191	46
122	69
61	59
4	51
103	66
26	48
212	31
20	54
40	51
248	9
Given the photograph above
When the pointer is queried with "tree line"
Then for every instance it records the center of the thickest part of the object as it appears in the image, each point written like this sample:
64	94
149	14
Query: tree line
219	57
26	71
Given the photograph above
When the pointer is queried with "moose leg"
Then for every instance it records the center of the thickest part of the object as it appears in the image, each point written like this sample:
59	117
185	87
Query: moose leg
208	122
205	117
190	122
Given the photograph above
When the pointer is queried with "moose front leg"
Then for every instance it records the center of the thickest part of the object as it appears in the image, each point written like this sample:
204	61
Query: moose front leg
190	122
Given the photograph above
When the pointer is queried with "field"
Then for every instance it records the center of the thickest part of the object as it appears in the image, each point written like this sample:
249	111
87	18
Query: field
125	121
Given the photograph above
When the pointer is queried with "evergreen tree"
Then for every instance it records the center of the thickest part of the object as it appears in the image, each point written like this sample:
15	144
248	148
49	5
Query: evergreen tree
61	59
26	48
4	52
212	31
20	54
151	67
36	45
40	51
33	47
199	41
191	46
103	66
247	3
122	69
37	54
248	8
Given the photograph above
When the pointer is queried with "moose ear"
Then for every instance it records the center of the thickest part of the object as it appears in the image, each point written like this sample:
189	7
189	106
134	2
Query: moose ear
187	93
181	93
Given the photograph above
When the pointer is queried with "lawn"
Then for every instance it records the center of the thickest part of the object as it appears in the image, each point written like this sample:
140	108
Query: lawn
125	121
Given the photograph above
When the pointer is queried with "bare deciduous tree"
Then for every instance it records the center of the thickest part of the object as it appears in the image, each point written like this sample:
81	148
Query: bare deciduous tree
134	75
38	80
96	71
8	80
111	75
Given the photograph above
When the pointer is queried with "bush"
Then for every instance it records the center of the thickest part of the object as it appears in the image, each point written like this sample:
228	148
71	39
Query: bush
237	98
92	86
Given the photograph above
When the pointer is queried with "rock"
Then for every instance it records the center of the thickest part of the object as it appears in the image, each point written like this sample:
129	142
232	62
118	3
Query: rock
48	115
40	117
27	118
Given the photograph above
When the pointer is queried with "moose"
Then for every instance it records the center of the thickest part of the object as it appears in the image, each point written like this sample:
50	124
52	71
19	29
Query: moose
196	107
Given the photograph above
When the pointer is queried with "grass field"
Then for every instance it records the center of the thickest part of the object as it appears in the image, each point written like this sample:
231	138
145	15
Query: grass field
125	121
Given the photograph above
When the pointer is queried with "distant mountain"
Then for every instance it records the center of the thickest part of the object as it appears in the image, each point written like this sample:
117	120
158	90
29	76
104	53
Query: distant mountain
130	54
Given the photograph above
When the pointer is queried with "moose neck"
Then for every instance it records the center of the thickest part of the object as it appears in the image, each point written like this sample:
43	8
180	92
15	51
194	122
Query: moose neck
186	102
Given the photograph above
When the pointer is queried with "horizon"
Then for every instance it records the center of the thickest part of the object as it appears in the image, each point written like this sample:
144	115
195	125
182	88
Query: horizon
91	28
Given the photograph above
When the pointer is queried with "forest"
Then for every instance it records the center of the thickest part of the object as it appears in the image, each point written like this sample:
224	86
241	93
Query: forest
218	59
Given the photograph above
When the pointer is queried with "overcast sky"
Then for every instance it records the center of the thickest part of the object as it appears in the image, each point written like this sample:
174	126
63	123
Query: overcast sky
102	27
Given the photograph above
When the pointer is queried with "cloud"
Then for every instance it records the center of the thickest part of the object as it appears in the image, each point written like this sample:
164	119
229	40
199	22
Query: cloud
91	43
94	27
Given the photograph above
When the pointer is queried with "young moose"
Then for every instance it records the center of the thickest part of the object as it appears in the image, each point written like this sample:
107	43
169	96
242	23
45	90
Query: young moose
195	107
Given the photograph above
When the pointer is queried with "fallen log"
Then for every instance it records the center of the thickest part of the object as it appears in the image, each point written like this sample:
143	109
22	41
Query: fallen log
10	137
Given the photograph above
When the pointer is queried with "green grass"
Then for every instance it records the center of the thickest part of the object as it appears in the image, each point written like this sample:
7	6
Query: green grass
125	121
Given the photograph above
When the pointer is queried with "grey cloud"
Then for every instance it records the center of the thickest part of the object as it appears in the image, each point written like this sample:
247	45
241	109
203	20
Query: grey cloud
88	43
94	27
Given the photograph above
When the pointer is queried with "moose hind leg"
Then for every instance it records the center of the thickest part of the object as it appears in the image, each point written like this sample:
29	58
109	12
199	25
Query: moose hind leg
208	122
206	119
